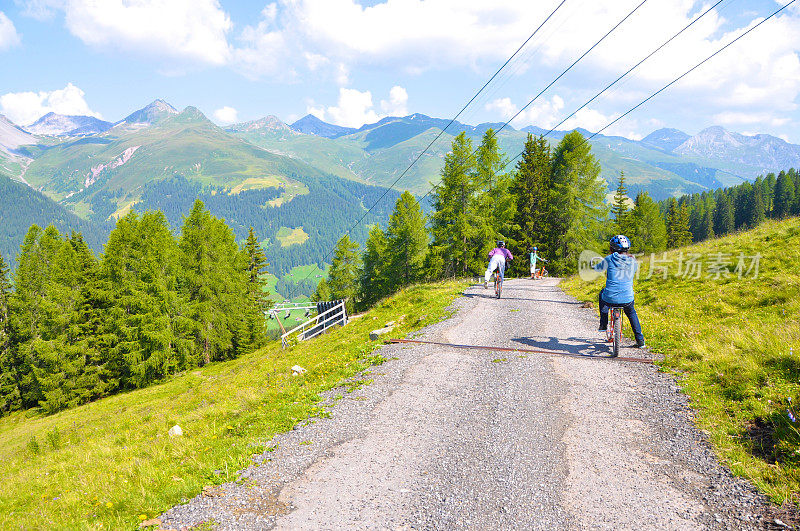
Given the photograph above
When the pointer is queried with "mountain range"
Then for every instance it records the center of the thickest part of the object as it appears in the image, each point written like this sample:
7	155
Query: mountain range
273	175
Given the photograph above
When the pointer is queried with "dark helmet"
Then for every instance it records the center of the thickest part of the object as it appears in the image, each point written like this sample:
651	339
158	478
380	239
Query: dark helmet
620	243
501	243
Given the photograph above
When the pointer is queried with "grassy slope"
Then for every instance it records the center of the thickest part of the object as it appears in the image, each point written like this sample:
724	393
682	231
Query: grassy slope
735	346
111	463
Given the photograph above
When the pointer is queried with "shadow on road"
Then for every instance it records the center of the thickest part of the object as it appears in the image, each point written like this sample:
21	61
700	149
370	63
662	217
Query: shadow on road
574	346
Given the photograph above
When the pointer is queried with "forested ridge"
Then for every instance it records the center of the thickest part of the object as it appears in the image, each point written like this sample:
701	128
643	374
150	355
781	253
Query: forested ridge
75	328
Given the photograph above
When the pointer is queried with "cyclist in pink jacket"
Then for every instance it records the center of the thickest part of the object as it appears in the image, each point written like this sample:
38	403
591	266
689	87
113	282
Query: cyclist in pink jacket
497	260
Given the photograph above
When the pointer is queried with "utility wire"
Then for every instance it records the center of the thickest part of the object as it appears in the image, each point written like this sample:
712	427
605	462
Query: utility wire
634	67
494	133
291	294
662	89
695	67
573	64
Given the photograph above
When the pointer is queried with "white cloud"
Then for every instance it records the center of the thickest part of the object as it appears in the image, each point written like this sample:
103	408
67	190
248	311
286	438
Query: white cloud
8	33
26	107
397	105
544	113
355	108
226	115
750	118
193	30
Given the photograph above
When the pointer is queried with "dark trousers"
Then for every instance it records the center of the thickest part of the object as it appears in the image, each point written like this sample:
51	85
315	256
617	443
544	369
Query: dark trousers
630	311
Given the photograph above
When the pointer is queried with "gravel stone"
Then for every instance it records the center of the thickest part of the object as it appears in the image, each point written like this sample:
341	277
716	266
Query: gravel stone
483	439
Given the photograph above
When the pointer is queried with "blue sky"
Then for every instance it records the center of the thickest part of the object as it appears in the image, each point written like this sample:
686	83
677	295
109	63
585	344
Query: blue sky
352	62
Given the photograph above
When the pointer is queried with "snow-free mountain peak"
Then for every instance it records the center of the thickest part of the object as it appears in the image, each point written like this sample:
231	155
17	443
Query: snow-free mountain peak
53	124
152	113
311	125
761	151
13	136
666	139
267	123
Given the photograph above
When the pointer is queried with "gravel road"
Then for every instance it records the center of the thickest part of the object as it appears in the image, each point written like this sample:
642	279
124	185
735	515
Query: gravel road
448	438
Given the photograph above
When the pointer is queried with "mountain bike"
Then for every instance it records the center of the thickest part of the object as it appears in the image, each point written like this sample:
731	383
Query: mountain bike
498	283
540	273
614	329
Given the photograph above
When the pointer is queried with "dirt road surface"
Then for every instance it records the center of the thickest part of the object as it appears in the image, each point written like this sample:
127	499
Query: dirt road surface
448	438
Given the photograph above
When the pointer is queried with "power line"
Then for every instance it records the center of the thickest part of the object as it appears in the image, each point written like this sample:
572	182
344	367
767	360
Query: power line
609	32
634	67
442	131
618	24
695	67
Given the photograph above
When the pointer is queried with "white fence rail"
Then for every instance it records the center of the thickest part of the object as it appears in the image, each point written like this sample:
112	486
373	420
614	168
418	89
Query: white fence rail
336	315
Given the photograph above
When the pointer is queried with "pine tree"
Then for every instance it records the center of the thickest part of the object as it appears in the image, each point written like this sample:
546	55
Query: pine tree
532	191
577	209
723	215
215	277
9	393
678	233
374	281
407	241
322	292
619	208
260	301
707	225
756	211
343	274
493	203
647	231
784	195
453	222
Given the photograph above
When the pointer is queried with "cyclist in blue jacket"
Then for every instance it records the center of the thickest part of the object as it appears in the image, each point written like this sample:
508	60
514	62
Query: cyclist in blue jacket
620	267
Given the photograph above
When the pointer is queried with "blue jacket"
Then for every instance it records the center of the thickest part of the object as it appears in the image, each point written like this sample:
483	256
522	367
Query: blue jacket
620	270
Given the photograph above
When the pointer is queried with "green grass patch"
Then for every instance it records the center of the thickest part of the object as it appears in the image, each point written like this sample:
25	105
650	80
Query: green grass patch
287	236
734	345
110	462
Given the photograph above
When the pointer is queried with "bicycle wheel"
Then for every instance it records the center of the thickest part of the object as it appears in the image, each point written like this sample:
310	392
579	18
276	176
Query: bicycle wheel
498	285
617	331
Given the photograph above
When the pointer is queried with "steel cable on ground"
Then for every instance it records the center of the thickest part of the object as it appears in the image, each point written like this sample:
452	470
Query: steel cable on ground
291	293
494	133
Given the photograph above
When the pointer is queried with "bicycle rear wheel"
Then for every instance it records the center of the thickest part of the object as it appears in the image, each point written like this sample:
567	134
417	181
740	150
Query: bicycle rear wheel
498	285
617	330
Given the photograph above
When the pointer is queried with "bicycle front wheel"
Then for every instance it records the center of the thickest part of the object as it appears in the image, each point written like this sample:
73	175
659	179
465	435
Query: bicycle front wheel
498	287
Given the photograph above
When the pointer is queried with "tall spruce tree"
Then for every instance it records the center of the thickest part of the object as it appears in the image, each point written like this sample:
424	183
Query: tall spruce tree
783	199
577	210
723	215
678	233
619	208
453	222
216	282
9	394
647	231
260	301
374	280
343	273
493	203
532	190
407	241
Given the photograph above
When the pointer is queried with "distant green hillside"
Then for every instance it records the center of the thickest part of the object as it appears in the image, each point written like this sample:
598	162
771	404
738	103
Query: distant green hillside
727	319
94	174
21	206
377	155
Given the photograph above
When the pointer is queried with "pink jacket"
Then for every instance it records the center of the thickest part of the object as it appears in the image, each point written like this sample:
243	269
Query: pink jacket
501	250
